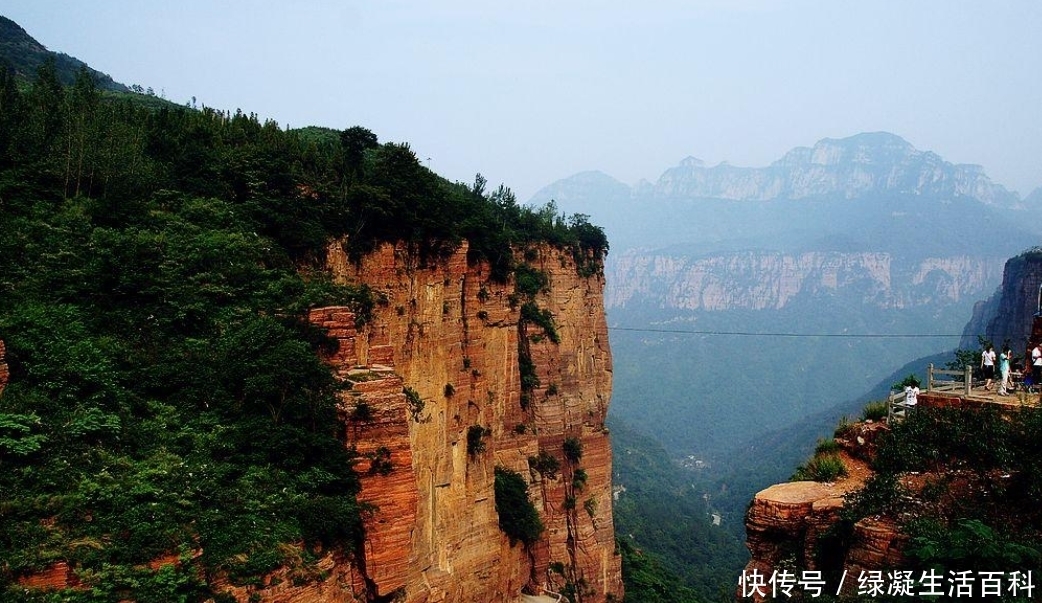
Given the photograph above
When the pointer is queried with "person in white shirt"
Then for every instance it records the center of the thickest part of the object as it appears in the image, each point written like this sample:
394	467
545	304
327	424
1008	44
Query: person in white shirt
987	362
912	394
1036	365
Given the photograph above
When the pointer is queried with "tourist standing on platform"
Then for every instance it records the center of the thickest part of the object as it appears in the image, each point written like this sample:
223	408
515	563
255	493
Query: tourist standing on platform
987	362
1004	359
912	393
1036	365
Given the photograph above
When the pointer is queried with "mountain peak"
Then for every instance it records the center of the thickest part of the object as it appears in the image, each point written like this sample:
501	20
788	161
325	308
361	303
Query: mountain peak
690	161
865	148
875	139
13	35
566	190
858	165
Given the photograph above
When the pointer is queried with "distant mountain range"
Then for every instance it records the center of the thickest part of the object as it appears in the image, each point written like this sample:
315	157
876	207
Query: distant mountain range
867	192
750	306
866	164
751	301
23	55
869	164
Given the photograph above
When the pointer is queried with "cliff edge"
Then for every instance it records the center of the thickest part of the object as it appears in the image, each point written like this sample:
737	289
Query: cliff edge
438	402
939	503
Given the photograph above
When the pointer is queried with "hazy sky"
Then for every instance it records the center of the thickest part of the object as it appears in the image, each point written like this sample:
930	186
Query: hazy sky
533	91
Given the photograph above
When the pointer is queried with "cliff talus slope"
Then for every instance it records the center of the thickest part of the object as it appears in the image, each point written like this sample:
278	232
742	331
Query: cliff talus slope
437	403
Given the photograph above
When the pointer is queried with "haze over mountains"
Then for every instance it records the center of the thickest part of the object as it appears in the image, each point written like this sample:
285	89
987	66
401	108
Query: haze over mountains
751	308
863	164
747	301
864	235
877	168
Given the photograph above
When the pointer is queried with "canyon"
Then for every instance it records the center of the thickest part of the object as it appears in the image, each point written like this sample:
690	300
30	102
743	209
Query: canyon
787	293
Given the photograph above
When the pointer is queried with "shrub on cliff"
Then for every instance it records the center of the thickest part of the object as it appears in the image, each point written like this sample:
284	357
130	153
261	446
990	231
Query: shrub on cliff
967	544
518	517
476	439
573	449
874	411
826	467
980	439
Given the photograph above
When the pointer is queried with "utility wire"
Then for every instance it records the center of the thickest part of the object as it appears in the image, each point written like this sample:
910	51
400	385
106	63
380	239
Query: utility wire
760	334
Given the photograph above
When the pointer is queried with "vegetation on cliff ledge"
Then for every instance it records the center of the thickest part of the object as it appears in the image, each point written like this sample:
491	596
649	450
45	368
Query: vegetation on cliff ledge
518	517
166	397
962	485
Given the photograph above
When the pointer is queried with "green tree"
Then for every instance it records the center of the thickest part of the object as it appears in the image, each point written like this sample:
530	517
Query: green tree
518	517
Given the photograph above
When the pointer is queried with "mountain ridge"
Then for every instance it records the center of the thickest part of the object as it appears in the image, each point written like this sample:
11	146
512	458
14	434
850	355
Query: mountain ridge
872	162
23	54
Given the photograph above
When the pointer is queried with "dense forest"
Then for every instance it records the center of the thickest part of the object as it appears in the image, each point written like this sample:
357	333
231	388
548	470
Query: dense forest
166	395
672	551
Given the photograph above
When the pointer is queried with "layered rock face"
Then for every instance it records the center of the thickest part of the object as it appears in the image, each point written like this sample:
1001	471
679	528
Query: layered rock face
1010	313
771	281
786	522
437	403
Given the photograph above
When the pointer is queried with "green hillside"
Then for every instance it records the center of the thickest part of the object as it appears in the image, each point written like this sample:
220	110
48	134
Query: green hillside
166	394
23	56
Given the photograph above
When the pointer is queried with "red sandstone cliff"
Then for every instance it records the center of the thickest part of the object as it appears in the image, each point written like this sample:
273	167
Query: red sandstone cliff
786	522
451	335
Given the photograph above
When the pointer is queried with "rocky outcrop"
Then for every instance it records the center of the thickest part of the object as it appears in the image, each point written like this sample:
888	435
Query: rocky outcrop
437	403
872	163
786	524
772	281
784	521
